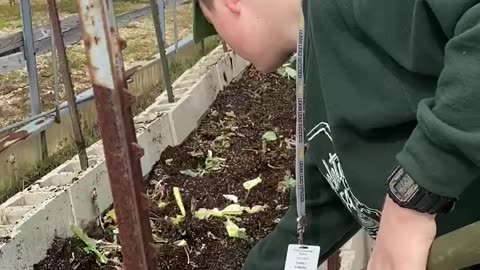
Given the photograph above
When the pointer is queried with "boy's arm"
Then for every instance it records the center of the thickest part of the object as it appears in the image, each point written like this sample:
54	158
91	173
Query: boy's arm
443	153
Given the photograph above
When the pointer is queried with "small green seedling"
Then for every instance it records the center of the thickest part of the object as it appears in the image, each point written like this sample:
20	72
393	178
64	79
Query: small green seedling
212	164
91	245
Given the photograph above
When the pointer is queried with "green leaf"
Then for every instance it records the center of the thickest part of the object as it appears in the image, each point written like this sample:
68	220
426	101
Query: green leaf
289	182
269	136
290	73
91	245
248	185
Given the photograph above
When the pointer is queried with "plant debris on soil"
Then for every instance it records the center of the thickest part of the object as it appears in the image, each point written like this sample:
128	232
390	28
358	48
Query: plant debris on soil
236	167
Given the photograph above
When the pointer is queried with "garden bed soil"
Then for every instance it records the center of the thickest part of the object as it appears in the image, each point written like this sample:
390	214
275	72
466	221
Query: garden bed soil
232	130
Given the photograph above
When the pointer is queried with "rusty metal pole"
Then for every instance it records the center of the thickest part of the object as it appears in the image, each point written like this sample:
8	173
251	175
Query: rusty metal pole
67	82
156	14
113	101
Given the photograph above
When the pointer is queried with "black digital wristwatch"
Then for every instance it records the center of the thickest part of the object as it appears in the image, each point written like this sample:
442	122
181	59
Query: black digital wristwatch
405	192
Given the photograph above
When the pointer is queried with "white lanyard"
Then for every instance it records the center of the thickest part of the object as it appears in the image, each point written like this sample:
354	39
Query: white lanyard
300	256
300	143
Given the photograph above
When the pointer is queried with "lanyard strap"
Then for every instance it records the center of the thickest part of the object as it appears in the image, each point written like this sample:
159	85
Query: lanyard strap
300	143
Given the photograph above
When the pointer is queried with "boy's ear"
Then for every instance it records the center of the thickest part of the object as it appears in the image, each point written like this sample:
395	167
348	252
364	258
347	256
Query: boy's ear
233	5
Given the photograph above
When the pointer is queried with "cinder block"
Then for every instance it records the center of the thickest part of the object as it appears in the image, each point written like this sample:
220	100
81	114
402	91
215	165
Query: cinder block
225	70
181	91
185	84
204	93
154	139
96	150
239	64
72	167
90	195
28	198
5	231
181	119
12	214
57	179
33	236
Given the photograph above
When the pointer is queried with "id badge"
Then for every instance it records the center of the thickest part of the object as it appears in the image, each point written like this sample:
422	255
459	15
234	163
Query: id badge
302	257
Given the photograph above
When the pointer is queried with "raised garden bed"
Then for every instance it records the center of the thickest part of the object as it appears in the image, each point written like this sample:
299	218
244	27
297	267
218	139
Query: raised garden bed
248	134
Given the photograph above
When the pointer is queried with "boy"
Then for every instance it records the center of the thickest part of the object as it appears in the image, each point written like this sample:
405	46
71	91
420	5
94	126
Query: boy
392	117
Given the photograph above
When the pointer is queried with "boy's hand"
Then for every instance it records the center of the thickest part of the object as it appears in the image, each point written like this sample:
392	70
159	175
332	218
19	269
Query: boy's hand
404	239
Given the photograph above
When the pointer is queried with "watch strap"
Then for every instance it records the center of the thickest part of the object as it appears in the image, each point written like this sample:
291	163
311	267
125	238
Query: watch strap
412	196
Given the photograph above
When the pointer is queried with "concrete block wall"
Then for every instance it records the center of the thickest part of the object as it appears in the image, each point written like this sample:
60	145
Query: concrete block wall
30	220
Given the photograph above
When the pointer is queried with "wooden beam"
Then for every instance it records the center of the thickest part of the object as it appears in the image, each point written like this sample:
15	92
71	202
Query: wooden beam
11	46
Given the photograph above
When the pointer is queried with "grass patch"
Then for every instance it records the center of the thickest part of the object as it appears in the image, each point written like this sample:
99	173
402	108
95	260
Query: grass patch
11	19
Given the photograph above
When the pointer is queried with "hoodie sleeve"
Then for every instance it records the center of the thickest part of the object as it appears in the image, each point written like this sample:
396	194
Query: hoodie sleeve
443	152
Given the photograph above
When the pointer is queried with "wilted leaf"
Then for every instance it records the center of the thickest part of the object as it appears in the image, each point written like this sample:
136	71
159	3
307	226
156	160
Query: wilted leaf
162	205
190	173
204	213
248	185
269	136
232	198
196	154
255	209
110	216
157	239
180	243
234	231
230	114
178	199
177	220
233	209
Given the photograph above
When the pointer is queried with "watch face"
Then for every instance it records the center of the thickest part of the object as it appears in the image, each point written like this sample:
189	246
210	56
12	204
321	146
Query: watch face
404	188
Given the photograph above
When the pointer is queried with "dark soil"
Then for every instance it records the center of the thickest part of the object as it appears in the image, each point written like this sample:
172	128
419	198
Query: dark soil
232	130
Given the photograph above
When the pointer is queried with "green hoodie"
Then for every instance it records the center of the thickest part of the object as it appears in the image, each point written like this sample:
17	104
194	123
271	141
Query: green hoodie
395	82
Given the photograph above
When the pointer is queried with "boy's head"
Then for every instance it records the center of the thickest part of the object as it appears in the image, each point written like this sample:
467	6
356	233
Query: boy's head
262	31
